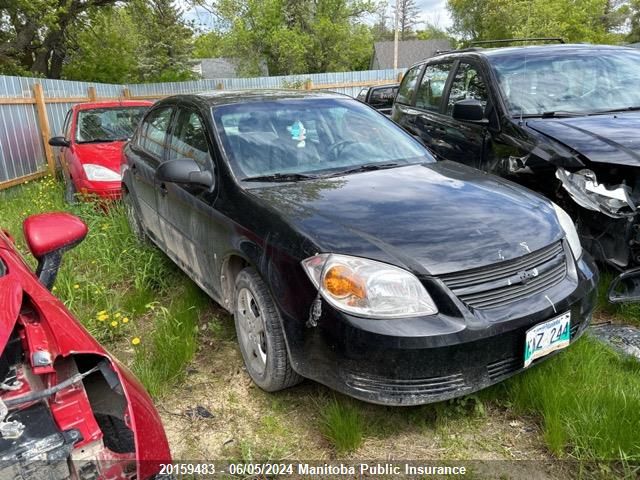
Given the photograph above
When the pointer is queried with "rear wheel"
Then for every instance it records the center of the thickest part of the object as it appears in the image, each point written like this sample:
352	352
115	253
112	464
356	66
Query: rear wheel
260	334
70	191
132	216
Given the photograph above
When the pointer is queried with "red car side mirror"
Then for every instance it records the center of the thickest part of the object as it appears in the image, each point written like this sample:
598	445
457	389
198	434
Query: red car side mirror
48	236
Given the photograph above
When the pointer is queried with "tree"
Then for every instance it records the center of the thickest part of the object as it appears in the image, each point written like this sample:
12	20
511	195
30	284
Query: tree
408	14
208	45
295	36
35	33
592	21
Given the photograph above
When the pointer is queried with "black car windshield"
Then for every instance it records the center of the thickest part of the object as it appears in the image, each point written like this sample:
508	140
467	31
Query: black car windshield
108	124
583	81
292	139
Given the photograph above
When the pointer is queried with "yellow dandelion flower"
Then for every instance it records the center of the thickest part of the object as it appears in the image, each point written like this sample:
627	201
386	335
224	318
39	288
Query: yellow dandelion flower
125	320
76	286
118	315
135	341
114	324
102	318
102	312
54	289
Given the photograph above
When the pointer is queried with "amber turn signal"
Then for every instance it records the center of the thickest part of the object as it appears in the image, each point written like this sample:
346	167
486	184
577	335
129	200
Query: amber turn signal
342	282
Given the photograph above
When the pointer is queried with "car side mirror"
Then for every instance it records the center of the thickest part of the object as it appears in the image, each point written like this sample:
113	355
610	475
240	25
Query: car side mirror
184	170
625	287
59	142
48	236
469	110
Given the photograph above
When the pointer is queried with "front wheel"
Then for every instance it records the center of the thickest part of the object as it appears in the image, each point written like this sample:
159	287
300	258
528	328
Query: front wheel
260	334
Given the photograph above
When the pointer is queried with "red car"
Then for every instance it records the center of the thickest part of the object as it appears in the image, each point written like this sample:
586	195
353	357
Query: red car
67	408
91	146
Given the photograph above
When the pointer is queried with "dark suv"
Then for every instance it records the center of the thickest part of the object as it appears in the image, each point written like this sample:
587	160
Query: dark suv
560	119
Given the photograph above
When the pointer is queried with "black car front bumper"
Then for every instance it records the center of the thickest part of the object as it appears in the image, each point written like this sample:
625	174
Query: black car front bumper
424	360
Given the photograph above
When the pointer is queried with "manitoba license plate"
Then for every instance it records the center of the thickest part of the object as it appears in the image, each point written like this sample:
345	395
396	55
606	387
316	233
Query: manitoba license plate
547	337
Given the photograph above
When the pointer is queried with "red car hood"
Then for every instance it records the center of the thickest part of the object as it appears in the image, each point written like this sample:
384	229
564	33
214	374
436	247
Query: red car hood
107	154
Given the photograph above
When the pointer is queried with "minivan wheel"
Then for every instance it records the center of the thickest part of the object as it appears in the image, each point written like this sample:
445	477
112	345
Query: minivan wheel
260	335
132	217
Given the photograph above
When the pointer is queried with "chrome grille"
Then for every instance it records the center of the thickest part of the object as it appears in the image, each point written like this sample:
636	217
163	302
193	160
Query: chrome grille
510	281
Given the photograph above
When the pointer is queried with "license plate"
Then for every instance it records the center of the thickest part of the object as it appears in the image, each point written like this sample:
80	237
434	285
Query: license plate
547	337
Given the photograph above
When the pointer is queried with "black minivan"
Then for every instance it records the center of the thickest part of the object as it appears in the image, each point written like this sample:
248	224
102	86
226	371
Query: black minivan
563	120
346	253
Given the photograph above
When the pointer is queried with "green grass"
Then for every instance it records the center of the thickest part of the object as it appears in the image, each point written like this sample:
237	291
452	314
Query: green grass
342	424
588	401
625	312
123	292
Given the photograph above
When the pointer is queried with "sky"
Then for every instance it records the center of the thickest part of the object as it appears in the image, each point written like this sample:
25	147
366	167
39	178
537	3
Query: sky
432	11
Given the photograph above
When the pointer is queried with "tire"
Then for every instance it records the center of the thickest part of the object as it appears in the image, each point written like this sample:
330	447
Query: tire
70	191
260	335
133	218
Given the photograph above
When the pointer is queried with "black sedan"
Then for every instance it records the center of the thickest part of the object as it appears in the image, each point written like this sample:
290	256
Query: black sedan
346	254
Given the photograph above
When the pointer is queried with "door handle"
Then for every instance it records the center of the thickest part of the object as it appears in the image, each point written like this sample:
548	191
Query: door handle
163	189
134	169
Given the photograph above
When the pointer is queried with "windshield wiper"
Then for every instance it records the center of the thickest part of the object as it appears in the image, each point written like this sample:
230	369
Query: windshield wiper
100	140
614	110
280	177
368	167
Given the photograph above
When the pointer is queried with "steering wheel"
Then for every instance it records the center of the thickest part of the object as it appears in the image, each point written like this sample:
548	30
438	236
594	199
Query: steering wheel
337	148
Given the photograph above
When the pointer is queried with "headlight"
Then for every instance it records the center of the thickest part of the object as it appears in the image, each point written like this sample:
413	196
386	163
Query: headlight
367	288
569	230
98	173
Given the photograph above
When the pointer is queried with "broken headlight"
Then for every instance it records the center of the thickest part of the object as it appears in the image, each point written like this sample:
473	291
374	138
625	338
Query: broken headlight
367	288
585	190
569	231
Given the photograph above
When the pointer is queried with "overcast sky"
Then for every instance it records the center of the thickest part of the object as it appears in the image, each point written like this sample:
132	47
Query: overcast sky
432	11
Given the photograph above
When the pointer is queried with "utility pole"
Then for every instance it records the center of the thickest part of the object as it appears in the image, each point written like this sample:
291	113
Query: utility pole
395	36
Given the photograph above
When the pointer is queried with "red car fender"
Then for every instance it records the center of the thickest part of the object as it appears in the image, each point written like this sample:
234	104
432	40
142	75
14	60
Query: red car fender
71	338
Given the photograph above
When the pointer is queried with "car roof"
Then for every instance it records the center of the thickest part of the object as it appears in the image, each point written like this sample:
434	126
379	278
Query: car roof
113	104
548	49
225	97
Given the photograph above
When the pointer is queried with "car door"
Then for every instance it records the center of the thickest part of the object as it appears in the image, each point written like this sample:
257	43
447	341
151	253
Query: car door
463	141
403	112
427	117
186	212
144	153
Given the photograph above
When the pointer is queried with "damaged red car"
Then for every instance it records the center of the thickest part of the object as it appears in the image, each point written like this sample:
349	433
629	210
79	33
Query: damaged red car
68	409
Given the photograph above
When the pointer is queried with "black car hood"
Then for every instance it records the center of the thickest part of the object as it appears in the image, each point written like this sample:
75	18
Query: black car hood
611	138
432	219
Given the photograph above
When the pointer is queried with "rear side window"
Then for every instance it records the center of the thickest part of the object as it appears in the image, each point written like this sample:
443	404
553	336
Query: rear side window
467	84
408	85
153	131
431	87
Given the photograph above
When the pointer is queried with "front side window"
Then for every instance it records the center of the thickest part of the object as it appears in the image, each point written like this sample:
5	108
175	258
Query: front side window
408	85
107	124
310	136
431	87
189	139
579	81
467	84
362	96
66	126
153	131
